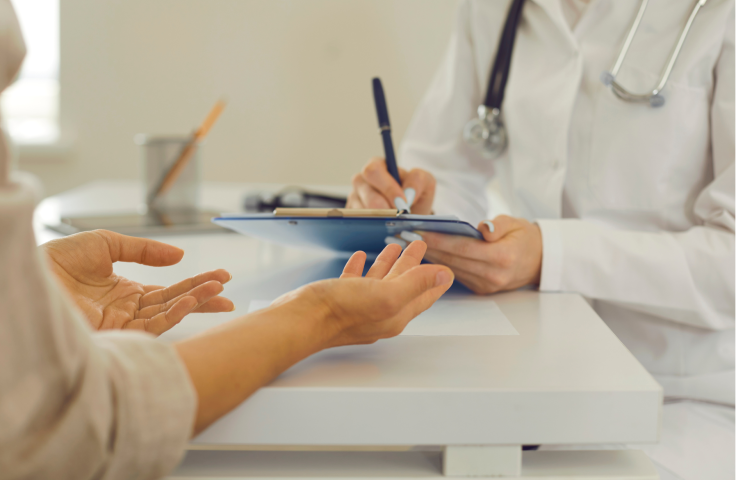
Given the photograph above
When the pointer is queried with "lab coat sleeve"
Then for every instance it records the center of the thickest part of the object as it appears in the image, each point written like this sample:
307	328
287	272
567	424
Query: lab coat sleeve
682	276
434	140
76	404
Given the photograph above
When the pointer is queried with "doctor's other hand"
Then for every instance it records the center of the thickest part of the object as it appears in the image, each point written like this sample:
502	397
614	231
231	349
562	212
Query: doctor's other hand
83	264
375	188
508	257
361	310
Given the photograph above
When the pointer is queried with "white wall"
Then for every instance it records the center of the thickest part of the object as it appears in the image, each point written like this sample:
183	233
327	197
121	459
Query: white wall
296	74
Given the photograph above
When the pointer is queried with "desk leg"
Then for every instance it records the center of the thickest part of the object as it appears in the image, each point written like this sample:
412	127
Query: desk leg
481	461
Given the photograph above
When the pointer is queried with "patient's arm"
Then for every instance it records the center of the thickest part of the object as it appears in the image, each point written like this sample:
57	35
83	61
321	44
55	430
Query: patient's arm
229	363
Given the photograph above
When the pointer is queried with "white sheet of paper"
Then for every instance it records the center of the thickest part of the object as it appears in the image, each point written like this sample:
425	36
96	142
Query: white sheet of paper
469	316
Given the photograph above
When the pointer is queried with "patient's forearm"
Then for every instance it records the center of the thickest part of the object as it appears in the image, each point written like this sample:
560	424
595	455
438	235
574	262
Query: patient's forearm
229	363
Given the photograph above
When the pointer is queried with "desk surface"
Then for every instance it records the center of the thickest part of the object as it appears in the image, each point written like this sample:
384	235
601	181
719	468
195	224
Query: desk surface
564	379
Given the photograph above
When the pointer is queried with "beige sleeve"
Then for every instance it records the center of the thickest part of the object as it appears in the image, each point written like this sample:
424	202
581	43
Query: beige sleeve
76	404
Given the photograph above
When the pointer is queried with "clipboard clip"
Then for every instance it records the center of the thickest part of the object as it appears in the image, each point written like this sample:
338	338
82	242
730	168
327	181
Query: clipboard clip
337	212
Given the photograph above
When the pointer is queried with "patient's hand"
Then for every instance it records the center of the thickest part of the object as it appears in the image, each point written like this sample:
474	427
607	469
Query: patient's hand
229	363
83	265
363	310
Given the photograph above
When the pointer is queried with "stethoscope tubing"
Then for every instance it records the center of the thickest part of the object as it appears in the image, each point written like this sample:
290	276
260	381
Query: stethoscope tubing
478	132
502	63
622	92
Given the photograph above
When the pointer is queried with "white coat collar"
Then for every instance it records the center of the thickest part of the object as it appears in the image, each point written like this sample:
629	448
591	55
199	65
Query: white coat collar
595	9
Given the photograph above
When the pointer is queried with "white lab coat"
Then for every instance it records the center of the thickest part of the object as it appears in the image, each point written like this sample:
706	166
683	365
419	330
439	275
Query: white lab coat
635	204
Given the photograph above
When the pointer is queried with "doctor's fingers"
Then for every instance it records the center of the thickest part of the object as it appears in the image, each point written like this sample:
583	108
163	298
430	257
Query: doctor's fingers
163	295
202	293
456	245
491	276
376	175
477	284
368	196
354	201
502	225
423	183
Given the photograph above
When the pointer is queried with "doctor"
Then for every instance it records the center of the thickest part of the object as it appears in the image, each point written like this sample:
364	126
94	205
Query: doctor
626	199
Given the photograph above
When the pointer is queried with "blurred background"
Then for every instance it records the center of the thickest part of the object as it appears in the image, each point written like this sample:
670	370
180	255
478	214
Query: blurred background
296	75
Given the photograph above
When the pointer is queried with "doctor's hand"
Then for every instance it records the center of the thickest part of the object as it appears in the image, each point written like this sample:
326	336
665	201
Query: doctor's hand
360	310
375	188
508	257
83	265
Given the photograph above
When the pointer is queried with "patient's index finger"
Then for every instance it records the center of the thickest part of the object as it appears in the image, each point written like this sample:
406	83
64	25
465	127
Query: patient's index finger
411	257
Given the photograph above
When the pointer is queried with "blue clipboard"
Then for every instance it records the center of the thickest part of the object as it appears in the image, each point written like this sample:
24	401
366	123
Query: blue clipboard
340	234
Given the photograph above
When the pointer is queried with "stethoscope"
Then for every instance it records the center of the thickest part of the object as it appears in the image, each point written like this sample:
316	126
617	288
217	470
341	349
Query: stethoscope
487	133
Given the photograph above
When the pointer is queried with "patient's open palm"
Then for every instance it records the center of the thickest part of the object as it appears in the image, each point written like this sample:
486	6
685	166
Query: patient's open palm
83	263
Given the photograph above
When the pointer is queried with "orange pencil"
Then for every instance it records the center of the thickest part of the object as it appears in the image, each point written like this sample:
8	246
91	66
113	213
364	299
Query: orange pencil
188	151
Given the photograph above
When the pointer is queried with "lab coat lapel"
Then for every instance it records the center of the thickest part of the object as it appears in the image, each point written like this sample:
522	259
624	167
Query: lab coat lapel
554	11
594	13
545	74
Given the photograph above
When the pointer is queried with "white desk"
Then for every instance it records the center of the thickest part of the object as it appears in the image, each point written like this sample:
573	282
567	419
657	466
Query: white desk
565	379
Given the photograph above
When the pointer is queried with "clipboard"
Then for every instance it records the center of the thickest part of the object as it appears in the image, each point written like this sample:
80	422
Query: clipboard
340	230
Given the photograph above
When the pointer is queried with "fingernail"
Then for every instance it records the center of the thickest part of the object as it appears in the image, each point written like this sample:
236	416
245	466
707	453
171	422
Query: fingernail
231	277
397	241
410	194
233	309
443	278
410	236
401	204
491	228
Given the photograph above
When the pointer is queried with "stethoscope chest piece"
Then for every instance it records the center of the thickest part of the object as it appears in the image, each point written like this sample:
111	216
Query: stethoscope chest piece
487	133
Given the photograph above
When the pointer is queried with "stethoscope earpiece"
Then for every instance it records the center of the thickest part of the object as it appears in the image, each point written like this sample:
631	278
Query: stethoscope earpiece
656	100
607	78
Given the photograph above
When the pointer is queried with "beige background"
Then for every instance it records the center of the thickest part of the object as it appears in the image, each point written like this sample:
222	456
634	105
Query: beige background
296	74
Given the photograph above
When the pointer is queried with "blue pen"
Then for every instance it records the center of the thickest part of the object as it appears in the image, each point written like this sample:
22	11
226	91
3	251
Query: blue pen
384	126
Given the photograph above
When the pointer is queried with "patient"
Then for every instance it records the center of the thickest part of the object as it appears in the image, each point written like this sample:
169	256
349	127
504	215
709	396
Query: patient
76	403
